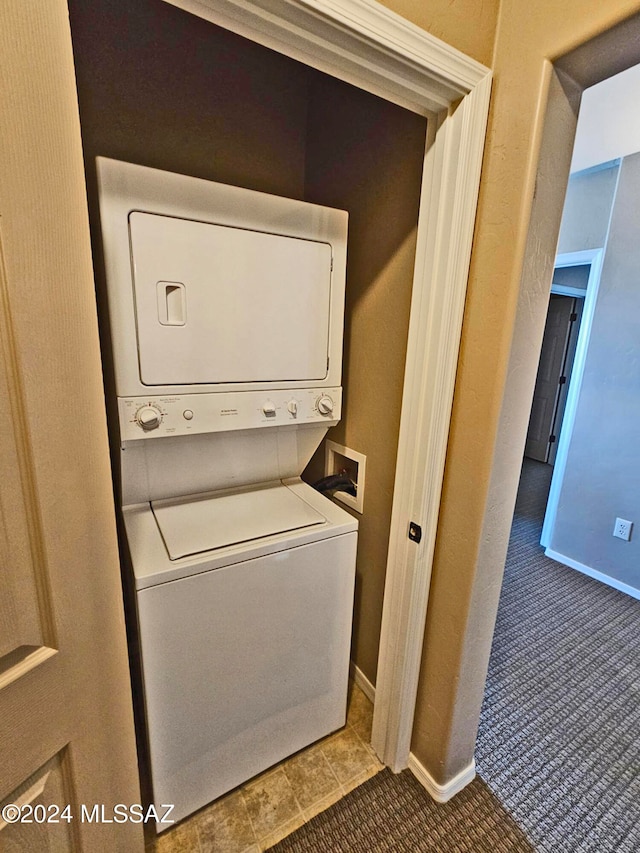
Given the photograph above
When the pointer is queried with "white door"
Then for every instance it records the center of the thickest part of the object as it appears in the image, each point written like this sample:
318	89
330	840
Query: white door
66	728
561	405
550	377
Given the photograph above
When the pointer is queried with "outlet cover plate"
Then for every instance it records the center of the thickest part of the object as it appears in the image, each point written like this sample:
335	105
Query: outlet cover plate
622	529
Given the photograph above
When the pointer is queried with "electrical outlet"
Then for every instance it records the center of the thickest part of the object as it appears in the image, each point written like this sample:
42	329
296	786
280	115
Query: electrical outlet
622	529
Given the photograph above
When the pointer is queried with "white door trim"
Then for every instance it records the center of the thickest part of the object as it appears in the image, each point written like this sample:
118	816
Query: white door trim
594	258
568	290
369	46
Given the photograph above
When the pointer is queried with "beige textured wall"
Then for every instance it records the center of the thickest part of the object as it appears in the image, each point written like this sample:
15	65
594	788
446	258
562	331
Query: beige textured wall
468	25
476	509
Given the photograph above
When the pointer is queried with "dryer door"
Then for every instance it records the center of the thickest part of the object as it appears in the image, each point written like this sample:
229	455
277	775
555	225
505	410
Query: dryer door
217	304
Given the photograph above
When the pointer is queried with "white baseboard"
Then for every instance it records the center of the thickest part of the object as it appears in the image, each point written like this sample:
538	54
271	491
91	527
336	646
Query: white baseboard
593	573
441	793
363	682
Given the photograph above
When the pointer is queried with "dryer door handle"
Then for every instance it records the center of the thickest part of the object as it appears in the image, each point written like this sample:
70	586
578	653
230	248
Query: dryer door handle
172	303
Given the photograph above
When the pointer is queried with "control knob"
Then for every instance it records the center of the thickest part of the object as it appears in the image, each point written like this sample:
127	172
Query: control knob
325	405
148	418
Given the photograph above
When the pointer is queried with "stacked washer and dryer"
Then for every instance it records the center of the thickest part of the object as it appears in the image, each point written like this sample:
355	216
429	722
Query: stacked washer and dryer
226	314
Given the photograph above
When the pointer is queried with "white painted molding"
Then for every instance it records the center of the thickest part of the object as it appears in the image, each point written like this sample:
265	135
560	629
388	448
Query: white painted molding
593	573
581	258
367	45
363	682
449	195
441	793
567	290
359	41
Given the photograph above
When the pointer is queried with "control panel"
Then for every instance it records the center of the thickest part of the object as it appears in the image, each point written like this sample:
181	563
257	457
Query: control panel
190	414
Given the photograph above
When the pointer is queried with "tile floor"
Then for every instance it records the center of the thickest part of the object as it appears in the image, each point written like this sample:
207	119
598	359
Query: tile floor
271	806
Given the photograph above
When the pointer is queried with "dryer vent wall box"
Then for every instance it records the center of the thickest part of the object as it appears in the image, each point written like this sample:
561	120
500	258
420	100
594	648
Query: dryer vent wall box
226	313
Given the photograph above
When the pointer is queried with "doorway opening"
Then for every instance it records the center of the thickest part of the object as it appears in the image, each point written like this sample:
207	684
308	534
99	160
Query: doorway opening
576	279
572	304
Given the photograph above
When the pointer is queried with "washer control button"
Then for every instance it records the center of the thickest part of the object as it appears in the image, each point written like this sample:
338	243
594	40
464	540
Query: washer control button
187	414
292	407
269	410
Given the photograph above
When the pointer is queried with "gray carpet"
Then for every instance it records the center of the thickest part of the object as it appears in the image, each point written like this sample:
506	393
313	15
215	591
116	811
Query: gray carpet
394	814
559	740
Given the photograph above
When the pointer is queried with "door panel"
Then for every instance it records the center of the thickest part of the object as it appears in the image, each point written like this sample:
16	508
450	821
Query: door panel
40	797
20	623
66	725
552	359
567	371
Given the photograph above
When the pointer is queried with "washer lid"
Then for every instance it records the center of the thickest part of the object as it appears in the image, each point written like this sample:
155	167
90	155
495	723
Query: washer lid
193	525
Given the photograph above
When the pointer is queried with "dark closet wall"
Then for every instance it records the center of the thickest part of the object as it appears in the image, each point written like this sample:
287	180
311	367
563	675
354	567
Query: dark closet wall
159	87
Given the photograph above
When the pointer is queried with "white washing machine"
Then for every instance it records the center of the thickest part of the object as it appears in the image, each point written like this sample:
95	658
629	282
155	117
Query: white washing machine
226	312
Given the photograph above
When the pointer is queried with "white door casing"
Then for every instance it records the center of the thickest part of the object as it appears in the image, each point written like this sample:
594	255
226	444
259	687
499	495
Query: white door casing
367	45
